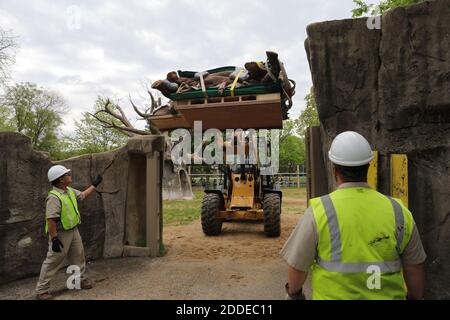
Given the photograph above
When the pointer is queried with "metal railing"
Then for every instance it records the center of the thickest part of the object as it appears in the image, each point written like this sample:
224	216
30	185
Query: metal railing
215	180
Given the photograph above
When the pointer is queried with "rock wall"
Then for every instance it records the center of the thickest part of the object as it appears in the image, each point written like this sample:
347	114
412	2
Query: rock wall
393	86
106	226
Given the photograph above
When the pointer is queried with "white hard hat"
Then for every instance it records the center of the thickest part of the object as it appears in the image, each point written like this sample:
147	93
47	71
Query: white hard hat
56	172
350	149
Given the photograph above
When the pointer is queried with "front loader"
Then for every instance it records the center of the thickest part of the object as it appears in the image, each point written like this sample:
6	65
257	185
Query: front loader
245	195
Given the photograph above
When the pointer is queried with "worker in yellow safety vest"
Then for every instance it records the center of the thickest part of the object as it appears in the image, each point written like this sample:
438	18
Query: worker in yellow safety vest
354	243
61	225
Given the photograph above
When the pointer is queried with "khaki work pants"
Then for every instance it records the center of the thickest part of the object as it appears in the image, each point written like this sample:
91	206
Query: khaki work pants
73	250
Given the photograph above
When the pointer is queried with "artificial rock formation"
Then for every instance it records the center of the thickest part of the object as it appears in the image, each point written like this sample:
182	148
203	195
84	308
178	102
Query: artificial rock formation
112	219
393	86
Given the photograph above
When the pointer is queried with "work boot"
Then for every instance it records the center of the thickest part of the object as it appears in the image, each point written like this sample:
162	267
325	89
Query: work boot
86	284
45	296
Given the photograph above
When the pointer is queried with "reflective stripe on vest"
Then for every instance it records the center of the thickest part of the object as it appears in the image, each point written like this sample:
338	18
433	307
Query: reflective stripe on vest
70	216
399	223
335	265
360	232
333	225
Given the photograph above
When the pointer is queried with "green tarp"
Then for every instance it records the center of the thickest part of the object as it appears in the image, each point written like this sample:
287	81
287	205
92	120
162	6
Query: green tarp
214	92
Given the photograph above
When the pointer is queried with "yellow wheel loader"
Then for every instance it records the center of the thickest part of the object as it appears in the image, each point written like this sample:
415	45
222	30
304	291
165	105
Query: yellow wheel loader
245	195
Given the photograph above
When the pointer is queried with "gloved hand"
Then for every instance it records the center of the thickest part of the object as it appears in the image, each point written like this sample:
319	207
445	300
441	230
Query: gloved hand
298	296
56	244
98	179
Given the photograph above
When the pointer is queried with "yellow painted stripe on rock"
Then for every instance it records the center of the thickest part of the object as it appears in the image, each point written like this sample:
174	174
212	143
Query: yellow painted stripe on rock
399	177
372	175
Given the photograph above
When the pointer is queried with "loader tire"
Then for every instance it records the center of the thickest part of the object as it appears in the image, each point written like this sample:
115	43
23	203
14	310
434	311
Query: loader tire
211	224
272	213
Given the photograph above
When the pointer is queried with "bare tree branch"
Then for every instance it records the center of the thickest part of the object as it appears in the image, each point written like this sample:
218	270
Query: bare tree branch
146	116
153	106
8	48
114	111
129	131
143	115
122	117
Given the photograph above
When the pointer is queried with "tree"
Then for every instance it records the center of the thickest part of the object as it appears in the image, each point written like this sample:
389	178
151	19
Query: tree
309	117
289	128
292	152
363	8
7	54
121	122
65	148
92	137
111	116
5	119
292	137
34	112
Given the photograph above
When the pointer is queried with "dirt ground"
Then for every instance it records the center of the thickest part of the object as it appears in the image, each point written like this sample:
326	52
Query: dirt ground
241	263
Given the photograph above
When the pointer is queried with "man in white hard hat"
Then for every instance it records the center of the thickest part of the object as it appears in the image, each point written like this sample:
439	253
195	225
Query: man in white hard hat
62	220
354	243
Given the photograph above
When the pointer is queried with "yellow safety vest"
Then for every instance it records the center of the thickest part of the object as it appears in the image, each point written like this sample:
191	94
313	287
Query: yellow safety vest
70	216
360	231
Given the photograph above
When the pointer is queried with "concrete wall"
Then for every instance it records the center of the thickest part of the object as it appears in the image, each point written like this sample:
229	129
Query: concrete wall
393	86
112	218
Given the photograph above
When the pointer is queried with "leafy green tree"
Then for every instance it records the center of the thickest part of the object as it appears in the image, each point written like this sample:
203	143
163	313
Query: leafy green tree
292	152
309	117
34	112
289	128
65	148
5	119
363	8
92	137
292	137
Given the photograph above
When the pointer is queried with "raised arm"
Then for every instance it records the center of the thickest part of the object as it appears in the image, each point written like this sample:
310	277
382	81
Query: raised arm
86	193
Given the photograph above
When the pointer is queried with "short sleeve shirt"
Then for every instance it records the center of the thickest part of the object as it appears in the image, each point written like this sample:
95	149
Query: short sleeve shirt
53	206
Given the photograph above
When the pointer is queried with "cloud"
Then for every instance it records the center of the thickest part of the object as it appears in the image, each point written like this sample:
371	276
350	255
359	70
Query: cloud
86	48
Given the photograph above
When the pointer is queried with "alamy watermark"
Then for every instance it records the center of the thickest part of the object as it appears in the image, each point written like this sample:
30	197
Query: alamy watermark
374	280
374	23
229	147
74	281
73	17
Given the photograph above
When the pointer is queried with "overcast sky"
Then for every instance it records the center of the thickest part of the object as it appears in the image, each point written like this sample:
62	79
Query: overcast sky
85	48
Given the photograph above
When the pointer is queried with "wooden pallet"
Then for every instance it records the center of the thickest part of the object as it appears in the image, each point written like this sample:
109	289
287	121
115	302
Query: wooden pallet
261	111
169	122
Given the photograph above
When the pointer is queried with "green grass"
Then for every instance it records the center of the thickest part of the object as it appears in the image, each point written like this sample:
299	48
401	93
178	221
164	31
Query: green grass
294	200
294	193
182	212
